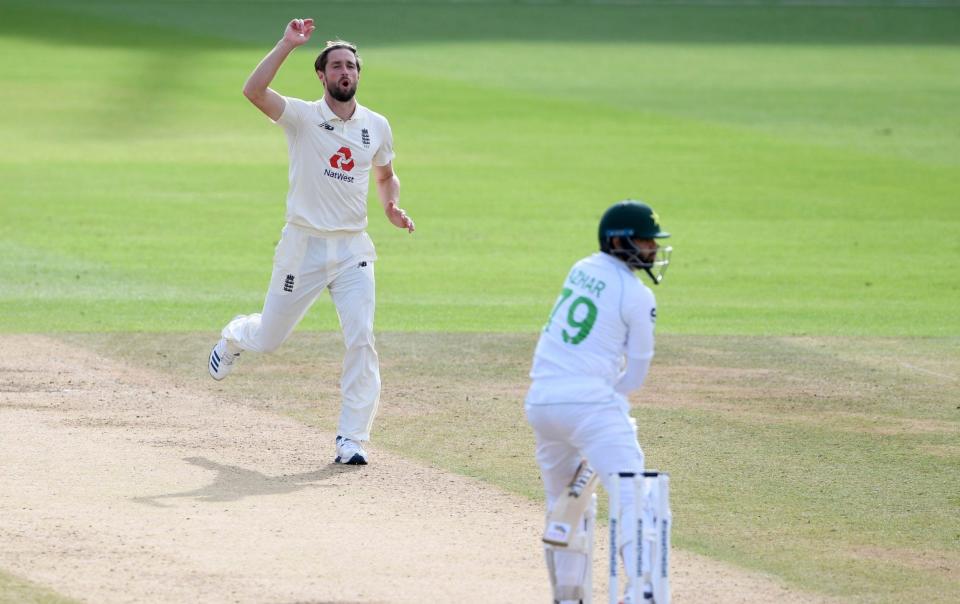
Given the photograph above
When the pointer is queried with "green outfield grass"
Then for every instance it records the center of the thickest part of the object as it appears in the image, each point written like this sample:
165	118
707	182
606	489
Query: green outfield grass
807	160
14	590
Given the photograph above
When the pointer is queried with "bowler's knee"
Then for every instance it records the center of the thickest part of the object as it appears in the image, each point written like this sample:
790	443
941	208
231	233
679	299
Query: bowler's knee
360	339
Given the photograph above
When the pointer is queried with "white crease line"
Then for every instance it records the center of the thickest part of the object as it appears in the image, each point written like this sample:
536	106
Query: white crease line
915	368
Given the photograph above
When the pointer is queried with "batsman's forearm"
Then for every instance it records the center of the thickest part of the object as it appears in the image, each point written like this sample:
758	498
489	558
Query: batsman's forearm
633	375
256	85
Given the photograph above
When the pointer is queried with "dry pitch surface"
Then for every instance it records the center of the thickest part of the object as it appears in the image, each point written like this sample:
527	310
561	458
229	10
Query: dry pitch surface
122	486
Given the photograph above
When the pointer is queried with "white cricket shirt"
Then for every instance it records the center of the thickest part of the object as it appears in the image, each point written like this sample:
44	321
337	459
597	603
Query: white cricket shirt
604	314
330	161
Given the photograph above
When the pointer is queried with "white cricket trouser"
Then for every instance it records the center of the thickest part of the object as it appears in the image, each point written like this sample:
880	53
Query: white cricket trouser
303	266
603	434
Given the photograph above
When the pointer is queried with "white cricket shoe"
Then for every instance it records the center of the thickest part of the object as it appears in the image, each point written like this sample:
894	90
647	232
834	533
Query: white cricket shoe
221	360
350	452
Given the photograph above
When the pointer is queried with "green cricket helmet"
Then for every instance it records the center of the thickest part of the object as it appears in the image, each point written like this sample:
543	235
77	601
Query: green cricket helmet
629	220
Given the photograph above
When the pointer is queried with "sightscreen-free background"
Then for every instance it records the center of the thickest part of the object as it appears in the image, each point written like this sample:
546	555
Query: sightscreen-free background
805	157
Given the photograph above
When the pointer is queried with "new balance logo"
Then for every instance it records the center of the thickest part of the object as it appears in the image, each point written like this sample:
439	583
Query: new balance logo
325	126
288	283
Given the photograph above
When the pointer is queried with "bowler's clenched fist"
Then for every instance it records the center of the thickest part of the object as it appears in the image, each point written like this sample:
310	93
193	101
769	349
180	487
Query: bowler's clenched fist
298	31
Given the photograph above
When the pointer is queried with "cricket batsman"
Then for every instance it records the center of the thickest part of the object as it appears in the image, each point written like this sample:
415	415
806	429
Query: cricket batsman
595	349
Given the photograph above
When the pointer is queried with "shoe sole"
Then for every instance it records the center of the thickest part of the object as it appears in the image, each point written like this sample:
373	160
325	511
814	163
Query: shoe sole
356	460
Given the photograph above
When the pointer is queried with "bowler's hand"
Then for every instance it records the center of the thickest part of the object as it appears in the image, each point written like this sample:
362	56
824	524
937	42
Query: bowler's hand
298	31
399	218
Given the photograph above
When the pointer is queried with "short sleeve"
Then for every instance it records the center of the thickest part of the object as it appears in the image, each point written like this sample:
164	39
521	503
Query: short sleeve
384	154
294	113
641	319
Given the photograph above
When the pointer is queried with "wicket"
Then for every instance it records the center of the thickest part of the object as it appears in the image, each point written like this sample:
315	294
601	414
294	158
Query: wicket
653	519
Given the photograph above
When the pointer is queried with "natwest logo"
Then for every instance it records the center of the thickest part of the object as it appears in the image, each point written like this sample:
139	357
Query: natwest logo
342	159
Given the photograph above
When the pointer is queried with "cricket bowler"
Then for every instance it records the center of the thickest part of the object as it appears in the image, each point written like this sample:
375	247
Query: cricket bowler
334	144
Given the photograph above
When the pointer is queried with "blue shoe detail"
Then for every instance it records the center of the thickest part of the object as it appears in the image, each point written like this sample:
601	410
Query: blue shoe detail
221	364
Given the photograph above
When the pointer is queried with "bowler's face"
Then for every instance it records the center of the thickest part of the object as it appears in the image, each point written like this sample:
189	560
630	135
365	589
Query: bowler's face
341	74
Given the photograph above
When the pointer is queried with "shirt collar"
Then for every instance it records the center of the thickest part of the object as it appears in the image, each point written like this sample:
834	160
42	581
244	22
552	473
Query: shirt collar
359	114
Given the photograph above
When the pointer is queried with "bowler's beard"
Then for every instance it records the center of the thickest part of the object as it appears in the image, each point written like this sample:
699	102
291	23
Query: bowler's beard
342	94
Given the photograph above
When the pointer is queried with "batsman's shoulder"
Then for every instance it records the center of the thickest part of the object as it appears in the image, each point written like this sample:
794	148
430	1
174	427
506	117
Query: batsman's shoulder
640	293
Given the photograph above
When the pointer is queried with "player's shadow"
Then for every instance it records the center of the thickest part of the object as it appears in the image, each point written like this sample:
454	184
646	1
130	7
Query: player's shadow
233	483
